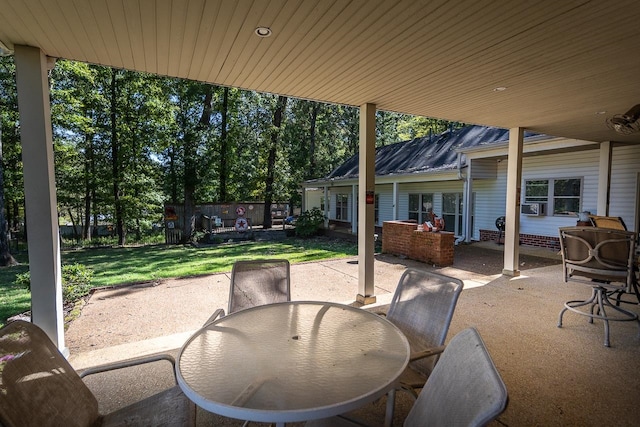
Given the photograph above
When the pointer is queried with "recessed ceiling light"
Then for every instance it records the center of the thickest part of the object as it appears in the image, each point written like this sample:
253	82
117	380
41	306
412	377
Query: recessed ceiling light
499	88
601	112
263	31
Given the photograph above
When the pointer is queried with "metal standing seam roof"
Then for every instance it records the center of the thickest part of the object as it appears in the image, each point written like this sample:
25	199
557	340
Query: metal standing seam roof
425	154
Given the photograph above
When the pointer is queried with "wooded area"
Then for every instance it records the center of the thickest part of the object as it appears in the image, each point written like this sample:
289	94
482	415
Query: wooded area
126	142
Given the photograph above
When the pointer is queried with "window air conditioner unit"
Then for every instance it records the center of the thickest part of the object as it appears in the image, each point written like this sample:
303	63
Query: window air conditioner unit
533	209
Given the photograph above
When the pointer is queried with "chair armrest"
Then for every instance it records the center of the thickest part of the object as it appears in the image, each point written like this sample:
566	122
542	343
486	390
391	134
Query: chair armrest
426	353
129	363
218	313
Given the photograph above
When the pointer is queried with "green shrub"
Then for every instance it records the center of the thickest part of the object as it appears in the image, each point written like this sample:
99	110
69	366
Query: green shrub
309	223
76	282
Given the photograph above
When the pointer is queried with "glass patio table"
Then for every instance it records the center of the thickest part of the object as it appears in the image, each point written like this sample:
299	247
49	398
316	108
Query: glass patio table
291	361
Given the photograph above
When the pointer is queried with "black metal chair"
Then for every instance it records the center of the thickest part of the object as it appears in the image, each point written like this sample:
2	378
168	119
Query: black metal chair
500	225
603	258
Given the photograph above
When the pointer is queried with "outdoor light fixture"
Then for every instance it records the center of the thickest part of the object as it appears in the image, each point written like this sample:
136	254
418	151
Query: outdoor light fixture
626	123
263	32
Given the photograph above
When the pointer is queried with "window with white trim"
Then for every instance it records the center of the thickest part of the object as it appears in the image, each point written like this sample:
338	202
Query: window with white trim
563	196
342	206
420	207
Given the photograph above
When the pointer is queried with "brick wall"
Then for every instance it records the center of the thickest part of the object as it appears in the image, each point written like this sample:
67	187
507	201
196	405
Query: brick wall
403	238
525	239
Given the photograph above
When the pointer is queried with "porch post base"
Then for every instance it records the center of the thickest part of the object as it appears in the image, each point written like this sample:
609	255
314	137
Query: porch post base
511	273
361	299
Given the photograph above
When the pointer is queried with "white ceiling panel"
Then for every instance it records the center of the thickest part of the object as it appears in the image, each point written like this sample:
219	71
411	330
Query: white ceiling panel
561	62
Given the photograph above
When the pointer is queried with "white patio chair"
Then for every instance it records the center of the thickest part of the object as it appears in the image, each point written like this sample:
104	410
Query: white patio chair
257	282
422	308
464	389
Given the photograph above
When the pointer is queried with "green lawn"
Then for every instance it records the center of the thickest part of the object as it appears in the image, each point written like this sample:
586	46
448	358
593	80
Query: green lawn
117	266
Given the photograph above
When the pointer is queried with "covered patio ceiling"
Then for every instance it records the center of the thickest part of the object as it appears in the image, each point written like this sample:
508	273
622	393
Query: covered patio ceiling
566	65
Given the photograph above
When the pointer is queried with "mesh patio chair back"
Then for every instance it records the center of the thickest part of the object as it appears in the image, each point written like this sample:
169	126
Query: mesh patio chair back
259	282
613	222
39	387
422	308
464	389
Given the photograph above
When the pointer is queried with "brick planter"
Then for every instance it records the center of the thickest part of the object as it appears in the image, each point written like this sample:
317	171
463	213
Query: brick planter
403	238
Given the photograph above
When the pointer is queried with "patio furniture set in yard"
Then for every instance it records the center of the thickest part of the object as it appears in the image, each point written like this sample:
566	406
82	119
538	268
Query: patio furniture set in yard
270	359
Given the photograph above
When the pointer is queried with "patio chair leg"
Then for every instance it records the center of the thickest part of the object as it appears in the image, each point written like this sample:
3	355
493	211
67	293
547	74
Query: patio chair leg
391	402
602	313
571	305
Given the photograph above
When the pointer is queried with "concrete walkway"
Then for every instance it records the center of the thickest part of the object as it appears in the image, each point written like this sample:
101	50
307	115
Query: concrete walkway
555	376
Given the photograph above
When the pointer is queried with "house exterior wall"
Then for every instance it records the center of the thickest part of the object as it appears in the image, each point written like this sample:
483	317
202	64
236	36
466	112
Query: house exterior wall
490	194
485	169
624	184
536	230
333	204
313	199
490	202
434	187
385	203
579	164
489	188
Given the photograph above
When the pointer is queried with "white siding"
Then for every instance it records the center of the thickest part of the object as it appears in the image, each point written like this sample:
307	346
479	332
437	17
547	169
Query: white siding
624	181
491	195
385	203
579	164
484	168
313	199
491	200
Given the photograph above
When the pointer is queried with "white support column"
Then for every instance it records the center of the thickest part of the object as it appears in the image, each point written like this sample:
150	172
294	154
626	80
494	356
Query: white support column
366	193
395	200
604	178
40	192
512	226
466	206
326	207
354	209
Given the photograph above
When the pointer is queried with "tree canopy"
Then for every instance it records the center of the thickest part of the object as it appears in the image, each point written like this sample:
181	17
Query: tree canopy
126	142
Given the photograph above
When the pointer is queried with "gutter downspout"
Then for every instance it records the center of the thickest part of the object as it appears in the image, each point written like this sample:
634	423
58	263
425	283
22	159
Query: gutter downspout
465	205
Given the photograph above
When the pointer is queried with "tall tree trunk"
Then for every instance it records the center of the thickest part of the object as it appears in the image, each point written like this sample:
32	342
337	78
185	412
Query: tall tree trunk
354	130
6	258
271	162
223	146
74	233
190	164
88	186
173	174
115	163
312	140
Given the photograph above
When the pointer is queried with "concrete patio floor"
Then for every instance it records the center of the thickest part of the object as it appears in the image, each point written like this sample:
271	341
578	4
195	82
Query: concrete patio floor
554	376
